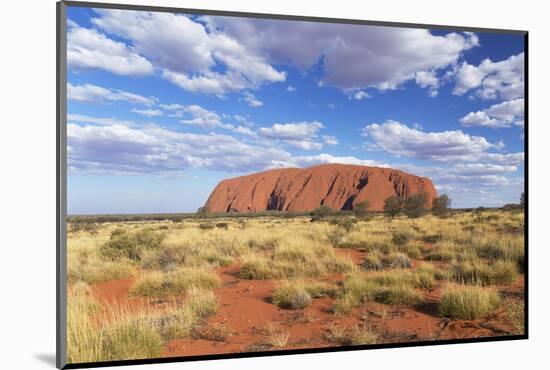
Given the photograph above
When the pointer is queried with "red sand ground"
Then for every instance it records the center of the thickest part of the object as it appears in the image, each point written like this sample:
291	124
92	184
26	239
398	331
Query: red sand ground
246	313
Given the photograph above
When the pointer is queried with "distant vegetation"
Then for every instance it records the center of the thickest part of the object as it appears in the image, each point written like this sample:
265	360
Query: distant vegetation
360	210
415	206
441	205
323	211
392	206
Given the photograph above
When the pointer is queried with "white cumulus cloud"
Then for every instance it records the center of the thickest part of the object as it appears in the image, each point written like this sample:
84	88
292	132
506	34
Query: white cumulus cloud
152	149
187	53
500	115
403	141
353	56
88	48
301	135
202	117
492	80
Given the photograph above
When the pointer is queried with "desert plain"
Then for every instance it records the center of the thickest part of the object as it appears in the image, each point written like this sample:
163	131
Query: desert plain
185	285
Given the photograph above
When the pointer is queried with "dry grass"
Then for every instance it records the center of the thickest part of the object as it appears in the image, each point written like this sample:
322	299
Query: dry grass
275	336
363	335
278	339
125	337
118	332
179	282
299	294
468	302
176	262
358	335
479	273
294	260
397	287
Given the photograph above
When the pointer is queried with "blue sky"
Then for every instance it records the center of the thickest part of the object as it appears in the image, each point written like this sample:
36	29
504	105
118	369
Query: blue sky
162	106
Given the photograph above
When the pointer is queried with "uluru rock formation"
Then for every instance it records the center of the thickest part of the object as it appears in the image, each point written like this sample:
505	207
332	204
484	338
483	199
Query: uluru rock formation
338	186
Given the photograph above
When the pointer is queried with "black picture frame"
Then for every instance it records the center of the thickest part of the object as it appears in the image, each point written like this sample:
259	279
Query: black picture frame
61	188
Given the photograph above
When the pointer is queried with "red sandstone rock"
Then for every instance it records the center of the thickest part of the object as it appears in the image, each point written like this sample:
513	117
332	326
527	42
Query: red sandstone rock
338	186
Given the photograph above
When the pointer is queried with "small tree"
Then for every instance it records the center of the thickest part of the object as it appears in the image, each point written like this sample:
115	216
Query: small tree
392	206
415	205
522	200
360	210
440	205
323	211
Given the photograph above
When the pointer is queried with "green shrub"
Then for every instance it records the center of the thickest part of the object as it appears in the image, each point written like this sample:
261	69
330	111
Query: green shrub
222	225
401	237
148	239
121	246
346	224
361	209
415	205
392	206
440	205
323	211
207	226
130	245
118	231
